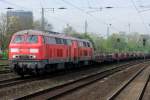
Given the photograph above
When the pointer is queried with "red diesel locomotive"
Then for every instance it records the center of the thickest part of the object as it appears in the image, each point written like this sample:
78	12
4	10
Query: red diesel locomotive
35	52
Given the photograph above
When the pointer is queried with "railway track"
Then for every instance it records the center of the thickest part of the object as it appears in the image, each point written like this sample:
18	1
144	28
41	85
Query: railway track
16	80
5	71
7	76
62	89
135	86
144	88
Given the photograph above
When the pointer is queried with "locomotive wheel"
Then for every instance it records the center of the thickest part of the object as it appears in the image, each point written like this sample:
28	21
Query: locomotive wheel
37	72
66	66
19	71
21	74
76	65
53	67
69	66
47	69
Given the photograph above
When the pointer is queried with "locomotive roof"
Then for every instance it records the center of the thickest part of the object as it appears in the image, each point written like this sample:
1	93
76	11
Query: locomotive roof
35	32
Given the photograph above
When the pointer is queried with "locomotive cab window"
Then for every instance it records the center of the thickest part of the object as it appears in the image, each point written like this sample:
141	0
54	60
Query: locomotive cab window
88	44
69	42
49	40
84	44
18	39
65	41
32	39
58	41
45	39
81	44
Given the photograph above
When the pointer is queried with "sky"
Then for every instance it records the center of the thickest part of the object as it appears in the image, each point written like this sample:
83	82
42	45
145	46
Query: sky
125	15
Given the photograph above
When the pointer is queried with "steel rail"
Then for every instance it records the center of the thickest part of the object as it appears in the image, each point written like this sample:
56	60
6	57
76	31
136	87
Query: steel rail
119	90
60	90
16	80
144	88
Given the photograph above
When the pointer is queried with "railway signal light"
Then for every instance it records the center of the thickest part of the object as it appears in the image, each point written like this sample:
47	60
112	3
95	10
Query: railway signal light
144	41
118	40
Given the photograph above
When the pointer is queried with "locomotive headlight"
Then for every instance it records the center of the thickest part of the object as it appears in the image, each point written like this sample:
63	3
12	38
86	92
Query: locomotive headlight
15	56
14	49
34	50
33	56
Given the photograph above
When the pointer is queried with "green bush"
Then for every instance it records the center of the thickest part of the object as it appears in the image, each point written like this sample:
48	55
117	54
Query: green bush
5	55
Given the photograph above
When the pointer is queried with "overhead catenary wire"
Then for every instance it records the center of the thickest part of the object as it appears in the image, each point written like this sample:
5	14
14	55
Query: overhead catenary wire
13	4
94	18
89	5
62	20
144	10
138	12
82	10
96	2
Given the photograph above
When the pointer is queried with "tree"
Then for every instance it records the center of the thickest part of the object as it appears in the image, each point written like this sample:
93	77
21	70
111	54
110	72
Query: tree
117	42
14	25
47	26
3	24
7	28
3	29
99	43
69	30
37	25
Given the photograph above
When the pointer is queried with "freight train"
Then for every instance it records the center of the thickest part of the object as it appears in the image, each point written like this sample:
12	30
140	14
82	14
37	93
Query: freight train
35	52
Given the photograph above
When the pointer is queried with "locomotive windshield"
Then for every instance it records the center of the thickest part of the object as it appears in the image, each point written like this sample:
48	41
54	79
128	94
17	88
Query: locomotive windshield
28	39
32	39
18	39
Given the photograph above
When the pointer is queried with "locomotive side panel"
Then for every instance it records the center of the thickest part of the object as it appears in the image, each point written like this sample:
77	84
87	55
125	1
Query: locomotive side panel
56	49
85	51
74	51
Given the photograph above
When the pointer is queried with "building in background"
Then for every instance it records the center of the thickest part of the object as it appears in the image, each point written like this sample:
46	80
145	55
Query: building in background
23	19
